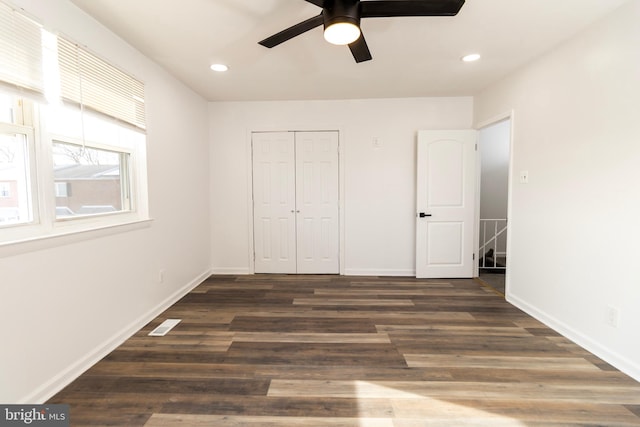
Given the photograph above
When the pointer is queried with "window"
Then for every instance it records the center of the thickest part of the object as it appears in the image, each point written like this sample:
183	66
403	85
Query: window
72	143
90	181
16	193
63	189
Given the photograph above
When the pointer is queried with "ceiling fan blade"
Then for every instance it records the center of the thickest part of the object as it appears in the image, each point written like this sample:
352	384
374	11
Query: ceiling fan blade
319	3
292	32
360	50
389	8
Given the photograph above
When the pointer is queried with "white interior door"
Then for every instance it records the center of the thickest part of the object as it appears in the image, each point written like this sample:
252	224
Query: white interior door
317	202
296	196
446	203
274	205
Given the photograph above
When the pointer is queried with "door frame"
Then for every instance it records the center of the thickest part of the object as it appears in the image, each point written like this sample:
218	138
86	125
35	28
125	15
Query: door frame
508	115
341	186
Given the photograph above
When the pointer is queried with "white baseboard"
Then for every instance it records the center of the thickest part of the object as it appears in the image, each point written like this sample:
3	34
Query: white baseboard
620	362
378	272
64	378
231	270
348	272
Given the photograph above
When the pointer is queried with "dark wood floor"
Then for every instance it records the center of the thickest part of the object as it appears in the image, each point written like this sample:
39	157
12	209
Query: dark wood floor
271	350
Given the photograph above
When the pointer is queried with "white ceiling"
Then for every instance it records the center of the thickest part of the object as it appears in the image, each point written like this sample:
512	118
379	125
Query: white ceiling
412	57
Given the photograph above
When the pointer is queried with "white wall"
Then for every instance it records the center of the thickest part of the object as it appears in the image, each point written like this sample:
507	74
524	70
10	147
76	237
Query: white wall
494	141
575	226
66	305
378	184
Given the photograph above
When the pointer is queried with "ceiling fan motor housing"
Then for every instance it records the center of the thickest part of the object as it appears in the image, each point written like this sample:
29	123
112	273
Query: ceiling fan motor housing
341	11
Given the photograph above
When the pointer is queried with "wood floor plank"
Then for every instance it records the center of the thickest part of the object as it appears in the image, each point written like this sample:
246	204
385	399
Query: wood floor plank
324	350
360	325
511	410
400	284
315	354
323	301
619	395
171	420
539	376
353	373
420	343
449	330
500	362
344	338
400	316
413	292
226	386
178	370
277	406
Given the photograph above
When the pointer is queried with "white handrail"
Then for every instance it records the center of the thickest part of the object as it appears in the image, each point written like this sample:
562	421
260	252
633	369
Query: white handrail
491	242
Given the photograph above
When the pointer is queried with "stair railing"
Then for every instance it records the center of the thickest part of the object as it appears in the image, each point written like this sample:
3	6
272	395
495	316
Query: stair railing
490	230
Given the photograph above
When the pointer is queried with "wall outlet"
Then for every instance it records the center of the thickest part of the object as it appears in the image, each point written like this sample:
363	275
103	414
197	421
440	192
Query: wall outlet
161	275
613	316
524	177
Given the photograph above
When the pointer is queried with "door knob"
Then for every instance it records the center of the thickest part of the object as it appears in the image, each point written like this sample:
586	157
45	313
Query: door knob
423	215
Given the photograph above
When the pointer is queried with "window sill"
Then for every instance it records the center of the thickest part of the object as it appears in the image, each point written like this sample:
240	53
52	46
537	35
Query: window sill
65	236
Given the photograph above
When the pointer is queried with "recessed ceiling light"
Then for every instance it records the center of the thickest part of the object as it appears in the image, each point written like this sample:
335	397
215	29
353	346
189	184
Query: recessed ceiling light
472	57
219	68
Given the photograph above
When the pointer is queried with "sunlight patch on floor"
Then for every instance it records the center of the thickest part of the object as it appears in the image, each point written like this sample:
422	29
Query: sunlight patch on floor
417	410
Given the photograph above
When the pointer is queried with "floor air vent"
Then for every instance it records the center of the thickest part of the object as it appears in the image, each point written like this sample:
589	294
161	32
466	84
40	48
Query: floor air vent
164	328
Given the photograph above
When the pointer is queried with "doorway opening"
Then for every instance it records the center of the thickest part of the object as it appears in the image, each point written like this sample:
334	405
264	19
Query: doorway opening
494	147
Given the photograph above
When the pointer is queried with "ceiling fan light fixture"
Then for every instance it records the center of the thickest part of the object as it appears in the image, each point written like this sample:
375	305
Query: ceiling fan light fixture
342	33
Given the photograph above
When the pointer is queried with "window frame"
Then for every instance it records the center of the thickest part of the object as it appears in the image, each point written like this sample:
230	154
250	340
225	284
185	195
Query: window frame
45	226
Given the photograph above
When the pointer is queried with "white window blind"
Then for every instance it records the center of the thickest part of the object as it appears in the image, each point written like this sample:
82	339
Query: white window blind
95	84
81	77
20	50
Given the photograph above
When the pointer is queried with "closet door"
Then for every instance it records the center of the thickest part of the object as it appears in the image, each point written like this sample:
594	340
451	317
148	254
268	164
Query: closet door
274	217
317	202
295	199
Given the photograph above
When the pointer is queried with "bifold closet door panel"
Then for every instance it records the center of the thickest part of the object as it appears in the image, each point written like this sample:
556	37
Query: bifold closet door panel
274	193
317	202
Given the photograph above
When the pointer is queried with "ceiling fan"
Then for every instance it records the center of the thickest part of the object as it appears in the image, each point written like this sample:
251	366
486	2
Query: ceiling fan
341	20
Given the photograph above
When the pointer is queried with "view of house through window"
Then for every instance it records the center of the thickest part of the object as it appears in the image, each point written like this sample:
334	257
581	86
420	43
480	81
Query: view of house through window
89	180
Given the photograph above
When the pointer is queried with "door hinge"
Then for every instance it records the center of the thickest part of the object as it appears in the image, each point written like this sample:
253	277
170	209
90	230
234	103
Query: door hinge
474	257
